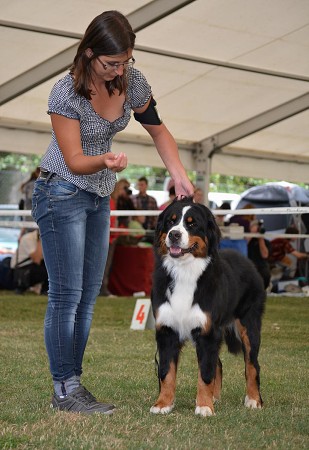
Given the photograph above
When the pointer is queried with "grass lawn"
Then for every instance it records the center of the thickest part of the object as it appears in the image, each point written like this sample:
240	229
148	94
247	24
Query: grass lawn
119	367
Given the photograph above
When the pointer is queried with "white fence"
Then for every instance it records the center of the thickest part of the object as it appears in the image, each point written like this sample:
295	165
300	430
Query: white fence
226	231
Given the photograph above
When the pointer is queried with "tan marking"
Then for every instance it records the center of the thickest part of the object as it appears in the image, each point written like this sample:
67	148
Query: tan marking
167	388
251	373
207	325
218	382
156	313
190	219
162	246
202	249
205	393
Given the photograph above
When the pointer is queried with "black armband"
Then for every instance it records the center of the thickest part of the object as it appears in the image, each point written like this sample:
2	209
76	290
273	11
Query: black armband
150	116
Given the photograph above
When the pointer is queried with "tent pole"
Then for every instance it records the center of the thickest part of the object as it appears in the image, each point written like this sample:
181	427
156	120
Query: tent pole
202	156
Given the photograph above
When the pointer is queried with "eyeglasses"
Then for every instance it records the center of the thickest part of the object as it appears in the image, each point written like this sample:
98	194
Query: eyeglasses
115	66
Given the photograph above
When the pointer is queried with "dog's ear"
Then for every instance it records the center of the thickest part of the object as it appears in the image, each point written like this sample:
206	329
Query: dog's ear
213	231
159	229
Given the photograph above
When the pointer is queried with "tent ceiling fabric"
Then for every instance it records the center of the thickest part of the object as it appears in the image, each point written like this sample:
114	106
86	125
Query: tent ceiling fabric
218	68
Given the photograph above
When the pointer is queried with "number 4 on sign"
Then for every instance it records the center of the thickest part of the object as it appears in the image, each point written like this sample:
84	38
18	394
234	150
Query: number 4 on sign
142	315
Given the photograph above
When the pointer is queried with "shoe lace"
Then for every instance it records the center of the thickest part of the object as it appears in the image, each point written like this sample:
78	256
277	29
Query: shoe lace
86	397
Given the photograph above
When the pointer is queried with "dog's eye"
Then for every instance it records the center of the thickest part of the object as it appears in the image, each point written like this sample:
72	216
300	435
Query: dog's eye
190	222
171	220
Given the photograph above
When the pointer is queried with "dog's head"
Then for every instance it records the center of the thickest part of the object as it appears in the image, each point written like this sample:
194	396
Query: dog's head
186	228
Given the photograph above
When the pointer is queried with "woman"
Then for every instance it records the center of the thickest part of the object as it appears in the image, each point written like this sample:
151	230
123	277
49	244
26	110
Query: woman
71	201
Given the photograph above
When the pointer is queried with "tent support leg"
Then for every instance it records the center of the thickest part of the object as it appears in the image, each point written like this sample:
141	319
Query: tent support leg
203	156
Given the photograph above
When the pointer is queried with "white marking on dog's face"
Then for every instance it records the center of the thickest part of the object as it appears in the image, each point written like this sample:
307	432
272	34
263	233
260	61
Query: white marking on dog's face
184	240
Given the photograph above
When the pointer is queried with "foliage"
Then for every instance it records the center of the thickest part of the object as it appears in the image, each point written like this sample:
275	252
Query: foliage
218	183
156	176
23	163
119	366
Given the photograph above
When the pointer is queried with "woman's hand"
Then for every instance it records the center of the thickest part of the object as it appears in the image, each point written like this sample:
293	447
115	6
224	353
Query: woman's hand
184	187
114	162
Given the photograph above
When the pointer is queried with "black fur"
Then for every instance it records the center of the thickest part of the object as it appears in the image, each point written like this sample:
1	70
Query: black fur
230	291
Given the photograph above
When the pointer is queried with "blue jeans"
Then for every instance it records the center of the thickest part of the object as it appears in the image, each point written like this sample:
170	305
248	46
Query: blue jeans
74	228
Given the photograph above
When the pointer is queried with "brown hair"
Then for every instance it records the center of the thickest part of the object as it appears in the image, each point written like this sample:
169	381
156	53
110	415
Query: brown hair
118	190
108	34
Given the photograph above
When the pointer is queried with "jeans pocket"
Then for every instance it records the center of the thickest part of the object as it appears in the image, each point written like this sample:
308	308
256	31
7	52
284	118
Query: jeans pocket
62	190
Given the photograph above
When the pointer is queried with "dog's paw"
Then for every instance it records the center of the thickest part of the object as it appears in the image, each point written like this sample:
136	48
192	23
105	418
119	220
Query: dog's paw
251	403
204	411
165	410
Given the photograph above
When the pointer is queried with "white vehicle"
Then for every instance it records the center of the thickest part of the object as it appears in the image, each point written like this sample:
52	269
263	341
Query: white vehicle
217	198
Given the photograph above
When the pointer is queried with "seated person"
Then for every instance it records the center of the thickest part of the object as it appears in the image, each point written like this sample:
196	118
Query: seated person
136	225
28	263
284	256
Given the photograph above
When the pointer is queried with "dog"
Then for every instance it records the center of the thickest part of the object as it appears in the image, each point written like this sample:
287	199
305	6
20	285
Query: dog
205	295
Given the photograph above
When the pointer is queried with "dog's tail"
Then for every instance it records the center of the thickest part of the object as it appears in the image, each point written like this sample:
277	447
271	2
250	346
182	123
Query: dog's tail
232	339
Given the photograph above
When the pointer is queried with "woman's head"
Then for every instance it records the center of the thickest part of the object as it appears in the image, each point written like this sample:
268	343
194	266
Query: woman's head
120	188
109	35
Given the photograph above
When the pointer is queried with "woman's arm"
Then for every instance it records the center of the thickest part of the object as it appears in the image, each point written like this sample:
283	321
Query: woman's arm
168	151
263	248
67	133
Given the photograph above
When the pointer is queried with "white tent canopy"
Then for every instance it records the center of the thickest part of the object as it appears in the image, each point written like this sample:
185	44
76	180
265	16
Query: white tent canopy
230	78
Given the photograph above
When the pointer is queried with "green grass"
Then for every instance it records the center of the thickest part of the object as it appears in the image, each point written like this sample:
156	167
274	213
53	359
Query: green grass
119	367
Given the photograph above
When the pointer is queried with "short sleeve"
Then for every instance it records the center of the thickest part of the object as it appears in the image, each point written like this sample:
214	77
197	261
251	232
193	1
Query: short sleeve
63	100
139	89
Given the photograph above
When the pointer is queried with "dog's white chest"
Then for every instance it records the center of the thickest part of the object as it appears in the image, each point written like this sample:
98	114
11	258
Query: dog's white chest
179	313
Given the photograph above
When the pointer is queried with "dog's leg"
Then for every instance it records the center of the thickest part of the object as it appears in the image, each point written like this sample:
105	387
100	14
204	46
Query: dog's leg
250	337
204	399
207	350
218	381
169	348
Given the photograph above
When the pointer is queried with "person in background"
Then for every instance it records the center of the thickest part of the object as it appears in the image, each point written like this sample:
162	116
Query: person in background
71	198
171	195
143	201
244	219
284	256
220	219
28	264
27	190
198	196
136	226
25	202
119	190
124	202
258	251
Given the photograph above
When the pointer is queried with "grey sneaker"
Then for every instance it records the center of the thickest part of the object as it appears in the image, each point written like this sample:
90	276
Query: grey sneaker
81	401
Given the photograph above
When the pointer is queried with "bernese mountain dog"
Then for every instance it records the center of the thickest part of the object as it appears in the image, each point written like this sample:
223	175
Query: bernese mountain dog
205	295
